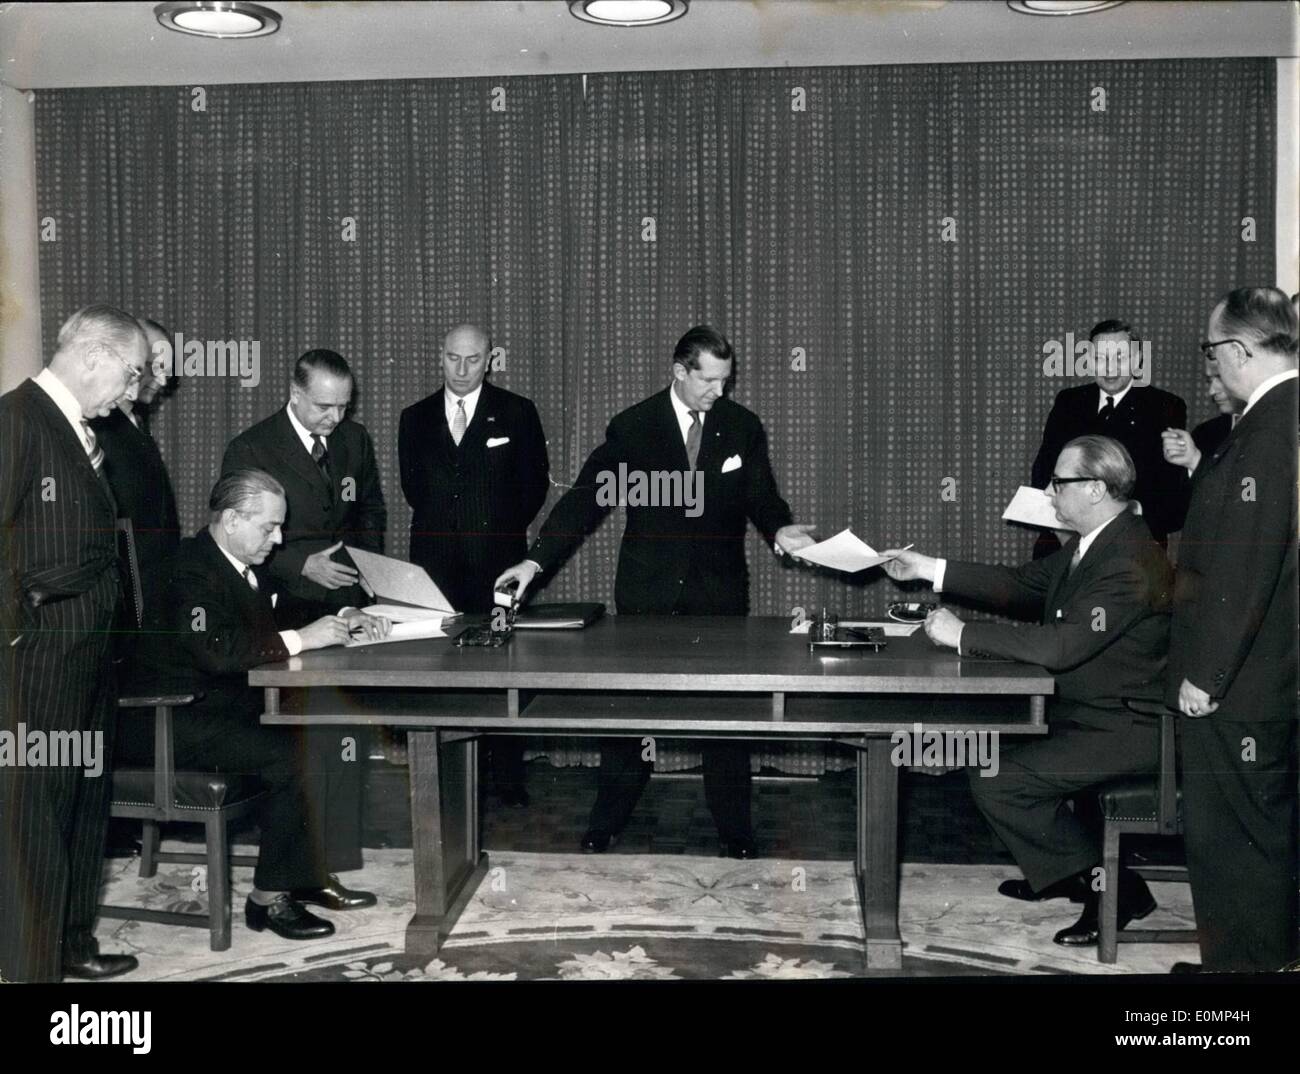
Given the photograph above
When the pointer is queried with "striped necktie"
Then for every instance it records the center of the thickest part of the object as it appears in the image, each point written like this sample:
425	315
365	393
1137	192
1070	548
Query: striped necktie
93	449
250	578
693	438
459	425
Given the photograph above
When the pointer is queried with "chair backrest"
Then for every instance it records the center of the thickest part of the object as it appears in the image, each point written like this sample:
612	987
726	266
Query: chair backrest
127	554
1167	778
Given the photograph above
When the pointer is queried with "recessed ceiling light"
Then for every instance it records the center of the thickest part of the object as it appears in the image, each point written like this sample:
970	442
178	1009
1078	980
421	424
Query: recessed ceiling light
218	18
628	12
1061	7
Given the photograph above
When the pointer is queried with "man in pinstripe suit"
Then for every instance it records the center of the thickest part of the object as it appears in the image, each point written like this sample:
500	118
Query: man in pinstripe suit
59	591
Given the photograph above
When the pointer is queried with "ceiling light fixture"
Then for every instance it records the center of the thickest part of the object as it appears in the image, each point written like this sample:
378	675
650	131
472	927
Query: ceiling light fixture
218	18
628	12
1061	7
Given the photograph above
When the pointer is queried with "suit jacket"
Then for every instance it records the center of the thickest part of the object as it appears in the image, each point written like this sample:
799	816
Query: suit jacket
316	515
1236	606
239	628
138	477
59	580
471	505
1140	418
1103	629
669	560
1210	434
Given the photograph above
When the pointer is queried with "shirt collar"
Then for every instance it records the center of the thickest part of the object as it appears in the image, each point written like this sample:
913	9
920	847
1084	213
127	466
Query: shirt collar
298	427
1272	382
683	412
1117	396
449	399
63	399
1085	542
240	567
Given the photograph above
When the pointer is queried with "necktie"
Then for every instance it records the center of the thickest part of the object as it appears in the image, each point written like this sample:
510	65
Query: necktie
1108	410
459	423
693	438
250	578
93	449
1074	559
321	457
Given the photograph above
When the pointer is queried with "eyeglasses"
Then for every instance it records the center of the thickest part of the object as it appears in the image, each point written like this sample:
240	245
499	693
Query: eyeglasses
1057	482
132	373
1208	345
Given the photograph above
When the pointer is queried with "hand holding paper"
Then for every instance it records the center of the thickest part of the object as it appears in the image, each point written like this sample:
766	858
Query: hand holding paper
843	552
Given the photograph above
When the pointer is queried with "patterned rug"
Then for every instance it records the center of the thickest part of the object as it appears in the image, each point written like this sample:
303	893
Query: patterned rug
592	917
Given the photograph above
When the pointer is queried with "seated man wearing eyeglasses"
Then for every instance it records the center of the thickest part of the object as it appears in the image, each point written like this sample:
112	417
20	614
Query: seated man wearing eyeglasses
1101	609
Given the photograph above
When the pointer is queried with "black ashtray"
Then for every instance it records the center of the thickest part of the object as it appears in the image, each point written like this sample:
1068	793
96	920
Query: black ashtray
910	611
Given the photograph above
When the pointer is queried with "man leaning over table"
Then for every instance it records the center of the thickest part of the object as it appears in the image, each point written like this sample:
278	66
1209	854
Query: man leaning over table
673	559
1101	605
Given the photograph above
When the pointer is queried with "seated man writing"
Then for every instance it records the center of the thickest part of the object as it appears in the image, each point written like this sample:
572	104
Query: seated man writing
222	621
1102	606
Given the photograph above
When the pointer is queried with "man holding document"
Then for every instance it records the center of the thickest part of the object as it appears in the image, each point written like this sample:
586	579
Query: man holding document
223	619
676	558
1102	604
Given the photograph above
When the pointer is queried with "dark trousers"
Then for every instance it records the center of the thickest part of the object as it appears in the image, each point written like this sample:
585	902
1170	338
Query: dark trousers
1026	802
53	817
1239	821
310	819
623	776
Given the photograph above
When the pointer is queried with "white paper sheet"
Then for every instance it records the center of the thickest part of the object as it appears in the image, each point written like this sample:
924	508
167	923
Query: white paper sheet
396	581
426	628
843	552
1032	507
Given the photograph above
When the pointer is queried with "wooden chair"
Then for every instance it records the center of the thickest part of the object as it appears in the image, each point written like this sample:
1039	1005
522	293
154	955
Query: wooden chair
1140	805
160	794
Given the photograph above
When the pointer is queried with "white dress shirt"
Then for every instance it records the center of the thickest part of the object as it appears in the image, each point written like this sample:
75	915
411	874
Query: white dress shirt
304	434
683	413
450	399
291	640
1272	382
1101	397
67	404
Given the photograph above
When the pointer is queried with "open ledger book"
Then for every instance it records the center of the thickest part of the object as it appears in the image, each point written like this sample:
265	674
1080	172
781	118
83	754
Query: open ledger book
421	611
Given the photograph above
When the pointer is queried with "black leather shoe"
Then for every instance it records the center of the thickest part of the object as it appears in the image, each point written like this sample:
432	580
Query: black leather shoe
743	849
596	841
1135	903
514	796
287	919
100	967
1185	967
1075	888
334	896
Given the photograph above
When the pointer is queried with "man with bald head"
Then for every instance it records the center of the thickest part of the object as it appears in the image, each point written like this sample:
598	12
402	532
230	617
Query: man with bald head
475	472
59	594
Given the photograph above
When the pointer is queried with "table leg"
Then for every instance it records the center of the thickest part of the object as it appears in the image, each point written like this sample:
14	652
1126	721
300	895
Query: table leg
877	856
444	836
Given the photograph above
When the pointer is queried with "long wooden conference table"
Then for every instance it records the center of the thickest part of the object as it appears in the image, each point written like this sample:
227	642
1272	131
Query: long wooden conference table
742	678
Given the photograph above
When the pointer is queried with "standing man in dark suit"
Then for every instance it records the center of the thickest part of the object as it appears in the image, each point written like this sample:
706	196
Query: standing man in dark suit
1232	655
326	463
1102	606
475	472
138	476
1125	411
59	594
212	582
1185	449
685	558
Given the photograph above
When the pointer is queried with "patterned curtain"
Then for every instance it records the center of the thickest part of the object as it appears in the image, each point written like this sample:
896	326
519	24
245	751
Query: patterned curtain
888	248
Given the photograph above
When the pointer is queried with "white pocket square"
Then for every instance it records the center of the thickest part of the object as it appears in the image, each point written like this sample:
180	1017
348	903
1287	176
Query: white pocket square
275	599
497	441
732	463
